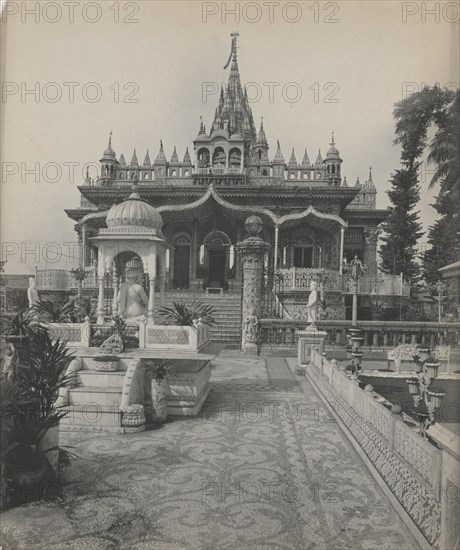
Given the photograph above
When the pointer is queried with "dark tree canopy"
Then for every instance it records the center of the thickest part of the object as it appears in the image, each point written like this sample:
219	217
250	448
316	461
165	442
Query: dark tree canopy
402	228
439	109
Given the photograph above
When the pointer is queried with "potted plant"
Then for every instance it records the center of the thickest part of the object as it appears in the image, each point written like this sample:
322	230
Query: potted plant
106	363
185	315
157	372
53	312
17	327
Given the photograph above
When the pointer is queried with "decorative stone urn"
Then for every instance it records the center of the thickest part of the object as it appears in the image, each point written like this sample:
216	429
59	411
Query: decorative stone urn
106	363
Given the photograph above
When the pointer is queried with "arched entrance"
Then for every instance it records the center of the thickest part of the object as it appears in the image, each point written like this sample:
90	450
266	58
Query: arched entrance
181	260
217	250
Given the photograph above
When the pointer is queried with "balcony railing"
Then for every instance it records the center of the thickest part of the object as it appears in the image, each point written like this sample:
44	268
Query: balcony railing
382	284
60	279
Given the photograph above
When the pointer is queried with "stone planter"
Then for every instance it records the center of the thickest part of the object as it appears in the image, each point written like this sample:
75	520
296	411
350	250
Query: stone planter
159	390
106	364
134	417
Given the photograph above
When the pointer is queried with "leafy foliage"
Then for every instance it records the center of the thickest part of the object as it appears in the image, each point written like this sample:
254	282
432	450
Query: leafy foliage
433	107
17	300
18	324
184	315
158	369
41	367
402	227
51	312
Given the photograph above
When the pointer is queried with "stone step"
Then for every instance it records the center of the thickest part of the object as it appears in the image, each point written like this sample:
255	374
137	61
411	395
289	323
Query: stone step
99	396
88	418
93	378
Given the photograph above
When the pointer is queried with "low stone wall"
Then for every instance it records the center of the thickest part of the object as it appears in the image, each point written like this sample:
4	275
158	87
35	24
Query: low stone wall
421	474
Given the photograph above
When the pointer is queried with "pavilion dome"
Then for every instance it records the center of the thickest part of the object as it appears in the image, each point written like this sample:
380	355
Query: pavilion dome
134	212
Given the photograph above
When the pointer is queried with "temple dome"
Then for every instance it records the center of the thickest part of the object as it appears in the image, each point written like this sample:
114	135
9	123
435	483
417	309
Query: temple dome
134	212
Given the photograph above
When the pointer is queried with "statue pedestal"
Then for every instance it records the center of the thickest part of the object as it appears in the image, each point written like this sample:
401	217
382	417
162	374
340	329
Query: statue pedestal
249	348
309	338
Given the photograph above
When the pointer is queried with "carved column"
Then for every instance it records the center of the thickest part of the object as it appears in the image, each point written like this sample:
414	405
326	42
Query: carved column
152	278
100	275
252	251
371	236
116	281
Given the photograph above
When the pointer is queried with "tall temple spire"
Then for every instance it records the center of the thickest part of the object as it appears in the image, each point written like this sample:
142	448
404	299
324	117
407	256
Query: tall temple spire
147	162
319	158
233	111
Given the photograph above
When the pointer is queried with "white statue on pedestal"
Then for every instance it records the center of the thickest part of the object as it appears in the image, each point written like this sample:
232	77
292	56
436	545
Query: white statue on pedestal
312	304
32	293
132	299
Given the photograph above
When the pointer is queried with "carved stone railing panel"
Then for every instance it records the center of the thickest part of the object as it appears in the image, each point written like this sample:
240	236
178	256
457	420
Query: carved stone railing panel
371	424
53	279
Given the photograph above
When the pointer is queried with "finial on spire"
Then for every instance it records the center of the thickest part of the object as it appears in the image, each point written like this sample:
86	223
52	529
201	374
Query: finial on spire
370	173
332	139
233	54
110	139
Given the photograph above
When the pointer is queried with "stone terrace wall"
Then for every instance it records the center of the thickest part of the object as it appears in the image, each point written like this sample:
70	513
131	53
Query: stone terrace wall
415	470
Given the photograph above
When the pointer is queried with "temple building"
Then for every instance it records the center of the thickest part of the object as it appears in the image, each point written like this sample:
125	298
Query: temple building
312	218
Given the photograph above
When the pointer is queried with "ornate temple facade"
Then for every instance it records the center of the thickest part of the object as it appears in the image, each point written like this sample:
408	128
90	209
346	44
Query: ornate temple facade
313	219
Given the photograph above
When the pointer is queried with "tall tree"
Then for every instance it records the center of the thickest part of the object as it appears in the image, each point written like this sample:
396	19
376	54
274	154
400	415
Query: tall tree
439	109
402	229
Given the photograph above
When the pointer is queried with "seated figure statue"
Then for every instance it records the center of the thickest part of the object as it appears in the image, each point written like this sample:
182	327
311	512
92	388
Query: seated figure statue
132	299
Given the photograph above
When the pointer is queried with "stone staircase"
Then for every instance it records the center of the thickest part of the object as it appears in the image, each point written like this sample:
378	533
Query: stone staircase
94	402
228	312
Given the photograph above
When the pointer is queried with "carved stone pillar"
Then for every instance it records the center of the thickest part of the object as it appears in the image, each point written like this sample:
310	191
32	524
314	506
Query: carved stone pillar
252	251
116	281
371	236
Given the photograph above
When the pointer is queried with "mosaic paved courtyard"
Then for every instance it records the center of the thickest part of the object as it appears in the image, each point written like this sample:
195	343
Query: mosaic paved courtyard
263	467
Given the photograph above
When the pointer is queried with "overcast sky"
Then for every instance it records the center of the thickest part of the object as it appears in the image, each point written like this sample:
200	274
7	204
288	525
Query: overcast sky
343	75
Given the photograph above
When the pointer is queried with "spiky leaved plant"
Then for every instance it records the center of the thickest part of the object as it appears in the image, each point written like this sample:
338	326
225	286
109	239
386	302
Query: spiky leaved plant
157	372
184	315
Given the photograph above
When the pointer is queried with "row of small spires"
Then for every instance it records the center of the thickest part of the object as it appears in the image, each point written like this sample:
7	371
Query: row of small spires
278	159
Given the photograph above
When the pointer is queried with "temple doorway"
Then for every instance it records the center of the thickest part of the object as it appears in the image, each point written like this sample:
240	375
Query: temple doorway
217	263
181	262
217	249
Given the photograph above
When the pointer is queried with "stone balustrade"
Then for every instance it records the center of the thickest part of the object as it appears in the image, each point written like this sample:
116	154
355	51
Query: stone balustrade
385	284
377	334
53	279
421	475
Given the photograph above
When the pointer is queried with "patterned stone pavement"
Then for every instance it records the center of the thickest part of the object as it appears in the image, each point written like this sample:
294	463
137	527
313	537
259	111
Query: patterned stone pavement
263	467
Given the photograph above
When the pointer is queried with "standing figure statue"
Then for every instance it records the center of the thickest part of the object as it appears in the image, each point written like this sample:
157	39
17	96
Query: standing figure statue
32	293
251	327
132	299
312	304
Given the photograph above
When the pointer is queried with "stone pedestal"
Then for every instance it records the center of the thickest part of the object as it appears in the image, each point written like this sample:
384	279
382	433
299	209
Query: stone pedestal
309	338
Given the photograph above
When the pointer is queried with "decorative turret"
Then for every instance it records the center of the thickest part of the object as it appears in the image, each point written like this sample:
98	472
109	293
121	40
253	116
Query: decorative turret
174	158
292	166
369	191
147	163
109	161
160	163
305	167
292	161
122	161
202	130
319	159
305	160
344	182
333	162
358	183
259	154
187	165
134	162
278	162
